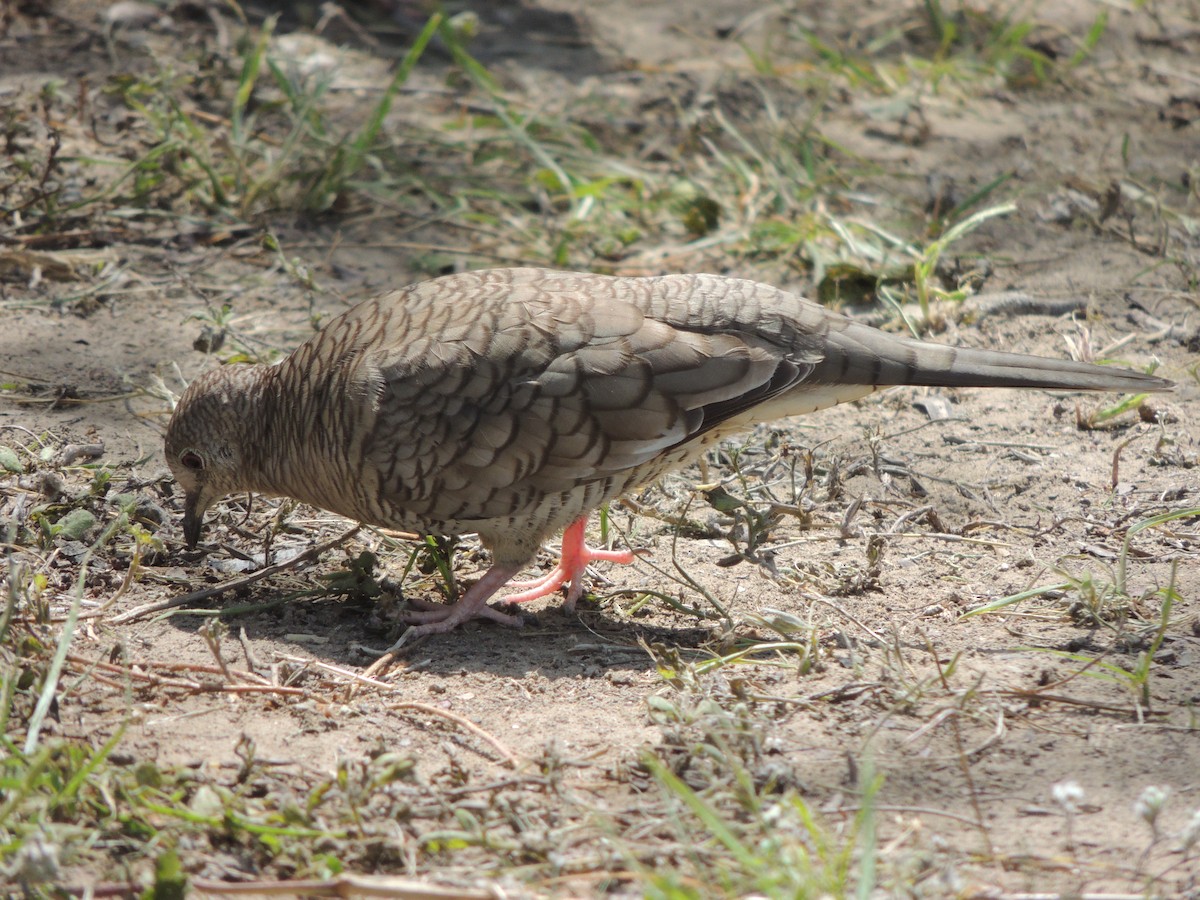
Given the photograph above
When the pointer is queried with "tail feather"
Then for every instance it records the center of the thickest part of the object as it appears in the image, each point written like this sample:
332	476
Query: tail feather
861	355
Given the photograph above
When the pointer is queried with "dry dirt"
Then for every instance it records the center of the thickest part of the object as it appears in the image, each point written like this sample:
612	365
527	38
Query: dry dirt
908	523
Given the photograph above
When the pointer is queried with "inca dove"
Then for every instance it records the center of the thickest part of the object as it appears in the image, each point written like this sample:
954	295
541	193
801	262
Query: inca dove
512	402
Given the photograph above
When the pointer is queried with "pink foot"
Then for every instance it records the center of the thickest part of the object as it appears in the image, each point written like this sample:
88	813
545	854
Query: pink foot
576	555
438	618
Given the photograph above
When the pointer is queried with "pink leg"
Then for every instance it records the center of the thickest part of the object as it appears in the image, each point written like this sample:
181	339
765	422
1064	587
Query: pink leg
576	555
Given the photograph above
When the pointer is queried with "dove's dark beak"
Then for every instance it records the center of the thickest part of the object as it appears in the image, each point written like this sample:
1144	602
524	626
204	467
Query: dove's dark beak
193	520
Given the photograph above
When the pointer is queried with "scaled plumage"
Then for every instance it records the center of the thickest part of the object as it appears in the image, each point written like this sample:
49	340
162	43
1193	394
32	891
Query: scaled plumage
512	402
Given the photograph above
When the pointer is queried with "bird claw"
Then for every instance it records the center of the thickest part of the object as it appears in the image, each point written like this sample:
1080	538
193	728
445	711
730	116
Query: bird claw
438	618
424	617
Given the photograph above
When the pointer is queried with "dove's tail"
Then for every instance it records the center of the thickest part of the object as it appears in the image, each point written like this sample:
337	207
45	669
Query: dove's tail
860	355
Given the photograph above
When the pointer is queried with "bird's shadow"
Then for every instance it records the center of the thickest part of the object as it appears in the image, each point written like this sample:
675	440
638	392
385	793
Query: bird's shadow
353	631
514	31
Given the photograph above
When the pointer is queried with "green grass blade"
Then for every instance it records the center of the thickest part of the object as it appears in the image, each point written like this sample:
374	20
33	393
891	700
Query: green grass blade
251	66
702	811
371	128
49	688
1016	598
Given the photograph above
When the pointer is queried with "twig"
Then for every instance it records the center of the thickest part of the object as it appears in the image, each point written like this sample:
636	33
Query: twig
912	810
170	667
816	598
357	677
345	886
251	659
211	632
510	758
235	583
962	757
1074	701
258	685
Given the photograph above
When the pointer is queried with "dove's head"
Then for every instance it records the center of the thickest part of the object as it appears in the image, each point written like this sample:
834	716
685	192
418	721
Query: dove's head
209	436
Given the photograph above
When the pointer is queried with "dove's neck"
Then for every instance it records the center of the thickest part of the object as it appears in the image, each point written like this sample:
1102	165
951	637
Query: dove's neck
264	417
305	424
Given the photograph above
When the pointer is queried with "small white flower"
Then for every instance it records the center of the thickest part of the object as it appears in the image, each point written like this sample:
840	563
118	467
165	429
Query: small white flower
1068	795
1191	833
1150	804
36	861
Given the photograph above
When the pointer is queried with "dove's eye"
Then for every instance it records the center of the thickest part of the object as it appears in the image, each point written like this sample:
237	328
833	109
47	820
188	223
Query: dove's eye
192	460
